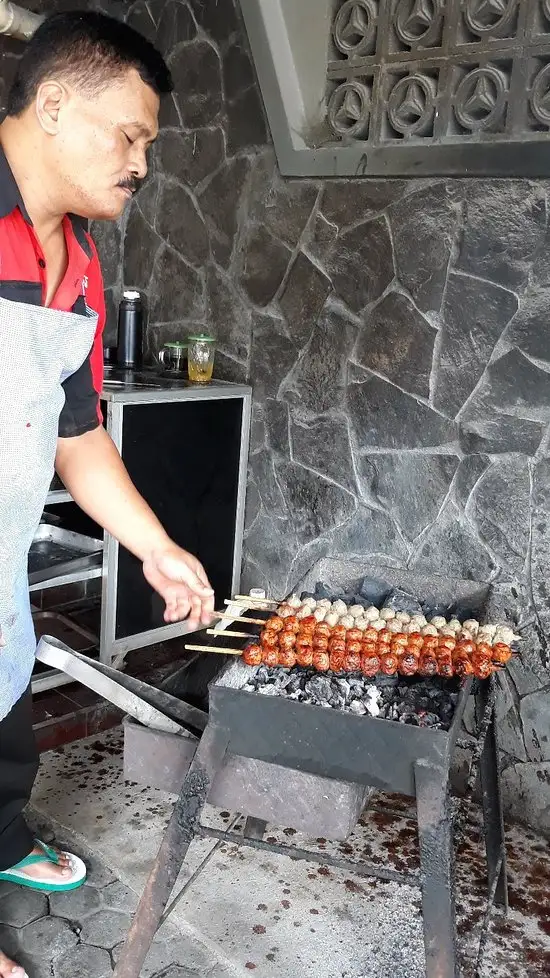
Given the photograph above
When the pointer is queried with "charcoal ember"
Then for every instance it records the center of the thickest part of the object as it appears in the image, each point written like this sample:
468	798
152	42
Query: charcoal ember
430	609
373	589
343	686
269	689
262	676
319	689
307	594
337	700
401	600
358	707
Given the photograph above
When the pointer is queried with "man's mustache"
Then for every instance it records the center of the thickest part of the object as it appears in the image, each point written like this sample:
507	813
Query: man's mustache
131	183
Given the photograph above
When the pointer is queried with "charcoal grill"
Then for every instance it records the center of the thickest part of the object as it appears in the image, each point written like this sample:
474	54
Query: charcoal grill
344	747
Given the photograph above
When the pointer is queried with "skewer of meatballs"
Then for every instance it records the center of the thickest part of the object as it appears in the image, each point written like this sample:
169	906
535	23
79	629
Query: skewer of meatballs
357	644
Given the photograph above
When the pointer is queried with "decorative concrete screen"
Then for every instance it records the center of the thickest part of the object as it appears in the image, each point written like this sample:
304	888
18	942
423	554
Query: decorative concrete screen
405	87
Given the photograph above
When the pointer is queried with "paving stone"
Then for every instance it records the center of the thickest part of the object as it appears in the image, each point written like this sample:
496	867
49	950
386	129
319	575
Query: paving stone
504	228
452	547
246	126
412	486
106	928
175	25
120	897
535	720
141	244
196	71
218	19
361	263
475	314
316	505
107	237
382	416
397	342
304	296
185	302
229	318
219	202
265	263
345	202
84	962
52	933
190	157
429	219
499	507
272	355
317	382
181	225
21	906
171	951
369	531
323	444
76	904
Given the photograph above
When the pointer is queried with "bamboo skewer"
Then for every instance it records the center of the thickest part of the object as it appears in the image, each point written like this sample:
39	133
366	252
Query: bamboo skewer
249	621
249	600
225	632
213	648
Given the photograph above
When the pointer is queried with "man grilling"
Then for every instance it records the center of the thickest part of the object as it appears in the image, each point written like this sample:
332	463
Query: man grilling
82	113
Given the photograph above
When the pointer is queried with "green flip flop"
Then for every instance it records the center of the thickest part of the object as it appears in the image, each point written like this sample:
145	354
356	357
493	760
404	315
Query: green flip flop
52	885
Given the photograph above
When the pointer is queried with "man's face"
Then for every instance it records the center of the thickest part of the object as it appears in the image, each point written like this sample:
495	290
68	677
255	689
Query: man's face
99	152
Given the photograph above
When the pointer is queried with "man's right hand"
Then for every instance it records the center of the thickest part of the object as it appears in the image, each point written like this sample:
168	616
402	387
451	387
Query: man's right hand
9	969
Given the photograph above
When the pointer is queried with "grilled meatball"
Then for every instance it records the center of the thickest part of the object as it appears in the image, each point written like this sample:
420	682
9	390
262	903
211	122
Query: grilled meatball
253	655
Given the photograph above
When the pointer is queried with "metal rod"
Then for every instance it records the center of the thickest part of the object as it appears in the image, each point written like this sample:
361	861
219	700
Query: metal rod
362	869
179	834
213	648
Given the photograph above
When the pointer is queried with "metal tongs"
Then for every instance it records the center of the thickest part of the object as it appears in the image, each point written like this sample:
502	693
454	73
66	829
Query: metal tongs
148	705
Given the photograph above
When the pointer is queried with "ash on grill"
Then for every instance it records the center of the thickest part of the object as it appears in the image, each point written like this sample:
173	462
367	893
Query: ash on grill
420	702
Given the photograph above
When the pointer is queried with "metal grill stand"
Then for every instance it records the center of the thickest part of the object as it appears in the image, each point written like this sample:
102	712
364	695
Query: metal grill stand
385	754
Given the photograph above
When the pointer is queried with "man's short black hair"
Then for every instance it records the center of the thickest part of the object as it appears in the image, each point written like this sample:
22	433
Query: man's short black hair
89	49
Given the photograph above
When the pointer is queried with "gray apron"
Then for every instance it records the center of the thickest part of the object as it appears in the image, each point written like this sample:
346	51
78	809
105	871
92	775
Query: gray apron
39	349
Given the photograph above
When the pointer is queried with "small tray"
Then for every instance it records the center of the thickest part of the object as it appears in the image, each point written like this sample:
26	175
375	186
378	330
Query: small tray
56	552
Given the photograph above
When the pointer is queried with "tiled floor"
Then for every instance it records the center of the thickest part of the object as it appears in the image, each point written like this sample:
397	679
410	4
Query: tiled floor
244	910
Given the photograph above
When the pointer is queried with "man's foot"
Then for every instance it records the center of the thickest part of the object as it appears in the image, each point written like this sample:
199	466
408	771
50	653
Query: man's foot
9	969
47	869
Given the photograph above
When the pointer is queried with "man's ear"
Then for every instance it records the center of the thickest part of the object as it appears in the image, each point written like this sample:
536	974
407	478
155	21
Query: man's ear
50	98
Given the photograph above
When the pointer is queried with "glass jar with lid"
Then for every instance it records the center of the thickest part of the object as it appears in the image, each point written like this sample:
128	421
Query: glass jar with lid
201	350
172	357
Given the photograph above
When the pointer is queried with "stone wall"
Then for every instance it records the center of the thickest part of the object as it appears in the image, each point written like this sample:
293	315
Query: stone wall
395	334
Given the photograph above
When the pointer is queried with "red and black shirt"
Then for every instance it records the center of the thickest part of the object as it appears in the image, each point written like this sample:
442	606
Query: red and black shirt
23	279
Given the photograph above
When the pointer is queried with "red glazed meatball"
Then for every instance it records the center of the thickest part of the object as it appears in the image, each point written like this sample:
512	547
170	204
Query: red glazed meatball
253	655
321	661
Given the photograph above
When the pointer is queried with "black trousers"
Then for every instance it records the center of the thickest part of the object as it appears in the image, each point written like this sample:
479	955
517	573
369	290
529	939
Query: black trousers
18	768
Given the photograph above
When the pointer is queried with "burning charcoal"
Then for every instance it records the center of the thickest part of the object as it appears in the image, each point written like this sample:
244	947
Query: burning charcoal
262	675
374	590
358	707
343	686
269	689
401	600
319	688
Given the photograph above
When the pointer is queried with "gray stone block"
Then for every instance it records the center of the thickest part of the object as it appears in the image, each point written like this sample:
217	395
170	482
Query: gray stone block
168	951
84	962
50	935
75	904
117	896
535	720
106	928
526	789
21	906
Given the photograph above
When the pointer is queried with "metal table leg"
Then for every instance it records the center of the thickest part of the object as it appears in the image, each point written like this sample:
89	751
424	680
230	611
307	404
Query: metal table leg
178	836
493	819
437	870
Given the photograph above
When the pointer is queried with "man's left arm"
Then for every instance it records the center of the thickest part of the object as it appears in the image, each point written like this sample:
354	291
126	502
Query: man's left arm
93	472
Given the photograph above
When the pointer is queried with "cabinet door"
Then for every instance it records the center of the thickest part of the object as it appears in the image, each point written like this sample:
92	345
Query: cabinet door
184	458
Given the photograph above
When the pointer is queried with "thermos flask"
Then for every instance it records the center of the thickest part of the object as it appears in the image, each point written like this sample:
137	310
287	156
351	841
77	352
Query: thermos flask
130	330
